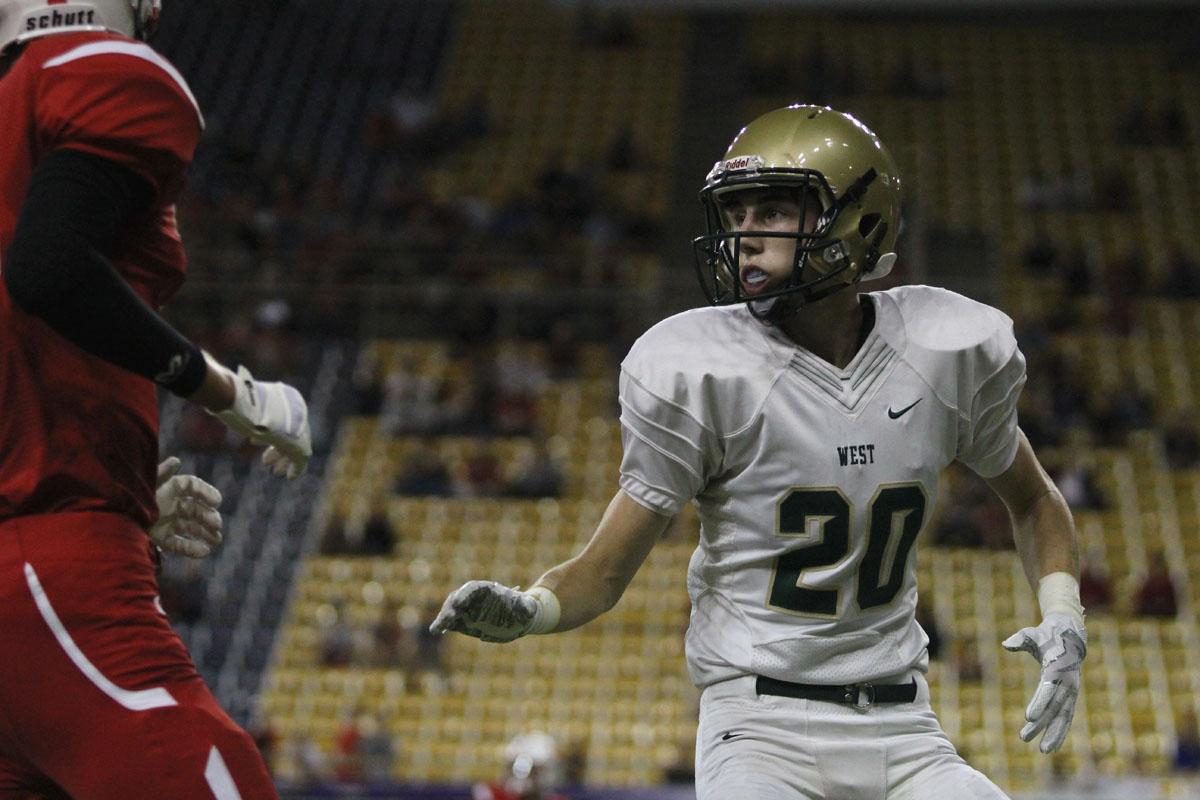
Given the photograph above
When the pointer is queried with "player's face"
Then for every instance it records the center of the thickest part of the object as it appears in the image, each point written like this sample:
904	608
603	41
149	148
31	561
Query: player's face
765	262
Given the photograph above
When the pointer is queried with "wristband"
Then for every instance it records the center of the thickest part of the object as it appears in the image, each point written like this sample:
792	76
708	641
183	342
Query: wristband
1059	592
545	619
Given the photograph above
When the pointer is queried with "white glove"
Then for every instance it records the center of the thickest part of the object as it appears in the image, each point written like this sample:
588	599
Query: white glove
1059	644
488	611
188	521
273	414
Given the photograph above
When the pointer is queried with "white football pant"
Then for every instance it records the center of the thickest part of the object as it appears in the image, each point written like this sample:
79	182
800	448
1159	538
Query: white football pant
764	747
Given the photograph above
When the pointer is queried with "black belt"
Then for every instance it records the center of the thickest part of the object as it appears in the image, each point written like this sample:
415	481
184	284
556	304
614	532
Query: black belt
859	695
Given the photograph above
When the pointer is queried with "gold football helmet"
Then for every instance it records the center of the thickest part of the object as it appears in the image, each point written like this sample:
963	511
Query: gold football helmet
824	156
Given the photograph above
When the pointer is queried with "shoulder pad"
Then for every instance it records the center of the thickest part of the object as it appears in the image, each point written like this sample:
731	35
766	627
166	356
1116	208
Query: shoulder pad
117	99
716	364
98	55
955	343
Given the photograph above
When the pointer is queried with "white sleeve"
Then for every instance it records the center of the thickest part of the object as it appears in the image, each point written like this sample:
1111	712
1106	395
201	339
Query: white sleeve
669	453
989	437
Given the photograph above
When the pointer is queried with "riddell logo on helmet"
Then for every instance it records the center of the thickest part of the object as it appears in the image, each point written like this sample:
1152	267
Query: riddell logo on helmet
743	162
59	19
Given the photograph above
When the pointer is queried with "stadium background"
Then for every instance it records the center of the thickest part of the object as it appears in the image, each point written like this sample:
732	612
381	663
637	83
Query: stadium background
446	222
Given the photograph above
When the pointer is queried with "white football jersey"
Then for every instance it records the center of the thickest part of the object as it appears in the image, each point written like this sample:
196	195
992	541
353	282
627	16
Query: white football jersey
813	483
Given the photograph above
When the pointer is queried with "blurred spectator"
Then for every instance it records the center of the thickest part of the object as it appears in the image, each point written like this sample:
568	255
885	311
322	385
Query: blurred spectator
333	540
1156	595
182	591
1143	125
480	472
574	762
460	404
1181	442
376	750
1124	283
1113	189
409	400
1120	412
266	739
347	763
378	538
1036	412
538	474
955	526
914	80
1077	483
1064	378
273	345
966	661
425	473
1095	585
336	637
1183	275
303	764
562	351
514	413
372	537
428	654
368	385
390	644
1136	124
1078	272
1041	254
1173	124
928	622
1039	191
533	770
972	515
623	155
681	769
1187	744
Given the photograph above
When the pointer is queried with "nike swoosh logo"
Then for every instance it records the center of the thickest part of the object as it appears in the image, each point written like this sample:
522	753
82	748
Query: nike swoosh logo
903	411
729	736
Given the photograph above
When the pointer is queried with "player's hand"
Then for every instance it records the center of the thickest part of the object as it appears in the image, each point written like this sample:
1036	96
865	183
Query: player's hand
488	611
1059	644
188	521
271	414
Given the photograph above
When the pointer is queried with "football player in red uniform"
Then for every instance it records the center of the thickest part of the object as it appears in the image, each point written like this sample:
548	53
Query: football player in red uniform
98	697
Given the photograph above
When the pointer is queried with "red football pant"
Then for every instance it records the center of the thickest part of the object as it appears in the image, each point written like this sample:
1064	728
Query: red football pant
99	699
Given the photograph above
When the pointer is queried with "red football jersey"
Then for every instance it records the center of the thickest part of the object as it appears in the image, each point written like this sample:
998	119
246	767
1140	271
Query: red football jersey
77	433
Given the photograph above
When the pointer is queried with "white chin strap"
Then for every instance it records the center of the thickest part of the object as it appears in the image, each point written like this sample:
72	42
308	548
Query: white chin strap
882	267
763	307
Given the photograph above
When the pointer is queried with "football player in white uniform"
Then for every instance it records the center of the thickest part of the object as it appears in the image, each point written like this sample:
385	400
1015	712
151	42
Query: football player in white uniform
809	425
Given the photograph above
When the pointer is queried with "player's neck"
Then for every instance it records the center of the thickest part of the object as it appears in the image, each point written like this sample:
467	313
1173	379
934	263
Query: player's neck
829	328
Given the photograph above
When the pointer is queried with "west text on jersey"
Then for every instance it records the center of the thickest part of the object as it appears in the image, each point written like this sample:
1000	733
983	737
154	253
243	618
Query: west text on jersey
59	19
855	454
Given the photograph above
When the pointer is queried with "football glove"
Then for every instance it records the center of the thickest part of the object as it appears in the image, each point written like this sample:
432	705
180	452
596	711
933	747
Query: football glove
188	521
1060	645
488	611
271	414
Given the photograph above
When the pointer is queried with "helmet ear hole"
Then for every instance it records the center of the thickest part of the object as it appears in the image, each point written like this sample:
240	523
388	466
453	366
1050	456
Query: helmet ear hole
867	224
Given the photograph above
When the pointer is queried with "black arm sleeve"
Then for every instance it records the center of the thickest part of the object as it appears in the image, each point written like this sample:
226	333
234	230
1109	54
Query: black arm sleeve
76	208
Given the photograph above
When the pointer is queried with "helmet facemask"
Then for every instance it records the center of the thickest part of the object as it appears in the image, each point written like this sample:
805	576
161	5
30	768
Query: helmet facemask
820	262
